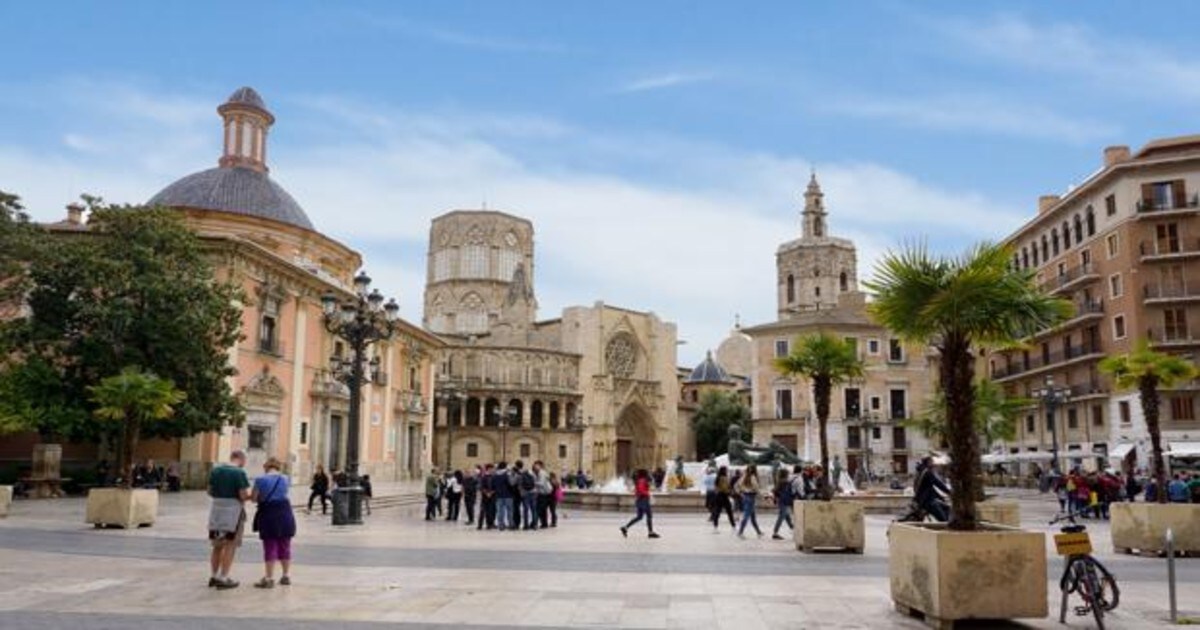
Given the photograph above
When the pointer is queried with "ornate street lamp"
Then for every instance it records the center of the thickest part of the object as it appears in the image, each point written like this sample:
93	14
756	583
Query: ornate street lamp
577	424
503	420
452	397
1052	397
868	422
361	320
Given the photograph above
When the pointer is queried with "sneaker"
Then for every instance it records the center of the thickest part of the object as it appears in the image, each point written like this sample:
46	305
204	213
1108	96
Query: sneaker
624	532
213	582
226	583
265	583
285	581
654	535
776	537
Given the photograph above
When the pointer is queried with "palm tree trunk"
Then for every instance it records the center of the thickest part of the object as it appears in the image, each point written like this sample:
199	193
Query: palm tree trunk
957	374
1148	391
821	392
129	441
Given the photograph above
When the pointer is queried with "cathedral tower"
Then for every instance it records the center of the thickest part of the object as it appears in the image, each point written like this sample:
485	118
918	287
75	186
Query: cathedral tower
814	270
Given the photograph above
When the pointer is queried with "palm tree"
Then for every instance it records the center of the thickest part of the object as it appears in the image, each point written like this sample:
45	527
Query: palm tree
950	304
134	397
995	414
826	361
1148	370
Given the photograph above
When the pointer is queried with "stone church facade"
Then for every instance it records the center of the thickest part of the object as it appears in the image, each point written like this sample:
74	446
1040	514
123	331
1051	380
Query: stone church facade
593	389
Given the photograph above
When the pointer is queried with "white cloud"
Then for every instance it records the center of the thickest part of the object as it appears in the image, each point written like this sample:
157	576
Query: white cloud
696	252
1123	66
975	115
662	81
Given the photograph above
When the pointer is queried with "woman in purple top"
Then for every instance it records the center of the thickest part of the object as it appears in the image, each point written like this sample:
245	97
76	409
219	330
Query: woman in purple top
274	522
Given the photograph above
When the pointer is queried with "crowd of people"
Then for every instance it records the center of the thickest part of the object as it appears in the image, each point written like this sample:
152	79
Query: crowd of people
499	496
323	485
1091	493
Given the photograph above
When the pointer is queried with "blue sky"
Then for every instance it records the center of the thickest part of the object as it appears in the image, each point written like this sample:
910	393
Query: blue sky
659	148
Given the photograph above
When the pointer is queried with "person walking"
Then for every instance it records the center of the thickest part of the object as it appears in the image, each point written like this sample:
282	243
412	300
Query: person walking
504	497
453	495
229	489
544	491
556	497
783	502
641	491
527	487
747	487
274	522
431	489
319	488
470	486
367	492
723	488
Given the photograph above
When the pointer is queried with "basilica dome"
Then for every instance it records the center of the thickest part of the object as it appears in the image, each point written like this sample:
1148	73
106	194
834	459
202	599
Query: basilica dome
240	184
709	371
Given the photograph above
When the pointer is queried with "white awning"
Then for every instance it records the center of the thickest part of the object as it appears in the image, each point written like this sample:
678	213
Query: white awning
1032	456
1120	451
940	459
1185	449
996	458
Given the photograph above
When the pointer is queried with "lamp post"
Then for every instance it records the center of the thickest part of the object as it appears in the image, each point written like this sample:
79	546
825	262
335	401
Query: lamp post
578	425
449	393
1052	397
360	320
868	425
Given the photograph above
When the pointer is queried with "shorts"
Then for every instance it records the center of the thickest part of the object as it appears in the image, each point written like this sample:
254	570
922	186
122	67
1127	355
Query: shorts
222	538
277	549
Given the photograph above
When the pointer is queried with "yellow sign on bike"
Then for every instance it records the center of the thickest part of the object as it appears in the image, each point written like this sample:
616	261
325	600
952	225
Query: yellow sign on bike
1073	544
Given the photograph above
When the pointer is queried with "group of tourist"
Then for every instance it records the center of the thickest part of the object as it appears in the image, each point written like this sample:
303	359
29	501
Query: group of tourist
1091	493
722	489
498	496
230	489
144	475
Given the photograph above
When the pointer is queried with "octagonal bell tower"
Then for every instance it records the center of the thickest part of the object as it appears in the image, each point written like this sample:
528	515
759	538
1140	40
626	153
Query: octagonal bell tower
816	269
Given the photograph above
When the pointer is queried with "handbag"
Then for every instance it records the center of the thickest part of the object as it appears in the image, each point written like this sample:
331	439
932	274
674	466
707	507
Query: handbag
258	511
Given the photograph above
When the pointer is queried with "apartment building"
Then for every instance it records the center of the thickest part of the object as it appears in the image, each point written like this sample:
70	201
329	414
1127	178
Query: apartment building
1124	248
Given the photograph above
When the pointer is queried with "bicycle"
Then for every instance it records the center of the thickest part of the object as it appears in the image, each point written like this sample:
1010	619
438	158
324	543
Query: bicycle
1083	573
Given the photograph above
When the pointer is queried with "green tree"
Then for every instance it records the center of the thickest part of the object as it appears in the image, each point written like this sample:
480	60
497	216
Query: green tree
135	288
718	410
995	414
19	242
133	398
950	304
1148	370
34	398
826	361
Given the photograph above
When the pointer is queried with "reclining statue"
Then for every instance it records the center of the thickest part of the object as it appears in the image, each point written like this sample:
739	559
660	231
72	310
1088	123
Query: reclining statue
742	453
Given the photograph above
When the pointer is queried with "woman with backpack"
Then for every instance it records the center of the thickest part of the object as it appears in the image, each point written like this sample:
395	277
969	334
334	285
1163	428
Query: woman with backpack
747	487
721	501
641	492
784	495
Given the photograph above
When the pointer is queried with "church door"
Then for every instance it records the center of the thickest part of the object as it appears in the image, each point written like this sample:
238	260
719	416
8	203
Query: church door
624	457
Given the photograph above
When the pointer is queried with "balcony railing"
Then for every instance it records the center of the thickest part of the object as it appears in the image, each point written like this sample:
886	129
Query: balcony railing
1086	389
1182	248
1170	292
1181	336
1040	361
411	401
1145	206
1085	272
271	346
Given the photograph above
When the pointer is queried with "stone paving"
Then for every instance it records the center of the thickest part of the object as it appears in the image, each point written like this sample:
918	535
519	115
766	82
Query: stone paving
400	571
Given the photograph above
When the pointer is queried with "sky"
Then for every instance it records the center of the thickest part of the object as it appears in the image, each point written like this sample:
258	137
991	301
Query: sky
660	149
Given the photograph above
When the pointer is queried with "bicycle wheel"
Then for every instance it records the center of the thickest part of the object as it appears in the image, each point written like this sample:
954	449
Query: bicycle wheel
1089	588
1110	595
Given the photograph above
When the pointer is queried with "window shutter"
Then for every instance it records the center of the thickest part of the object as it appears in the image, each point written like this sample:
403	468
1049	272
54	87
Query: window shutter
1178	193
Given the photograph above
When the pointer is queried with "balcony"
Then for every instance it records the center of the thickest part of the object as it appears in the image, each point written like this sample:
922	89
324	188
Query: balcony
1072	278
1178	337
1085	311
1148	209
271	346
411	401
1053	360
324	385
1182	249
1168	293
1083	391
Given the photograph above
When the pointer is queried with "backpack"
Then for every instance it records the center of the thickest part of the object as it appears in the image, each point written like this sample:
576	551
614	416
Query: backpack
526	481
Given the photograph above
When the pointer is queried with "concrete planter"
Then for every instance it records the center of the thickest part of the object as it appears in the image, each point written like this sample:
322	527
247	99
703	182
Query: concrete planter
993	573
6	495
119	507
1000	512
829	525
1143	526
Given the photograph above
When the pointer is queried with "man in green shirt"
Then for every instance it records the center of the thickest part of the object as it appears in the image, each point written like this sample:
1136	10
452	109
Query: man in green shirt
229	488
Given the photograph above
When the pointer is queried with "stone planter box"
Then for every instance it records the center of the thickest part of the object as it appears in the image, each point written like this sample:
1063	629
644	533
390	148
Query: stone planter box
1000	512
6	495
829	525
118	507
996	572
1143	527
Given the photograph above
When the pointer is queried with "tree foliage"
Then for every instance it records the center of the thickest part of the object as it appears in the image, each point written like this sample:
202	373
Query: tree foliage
995	414
951	304
1148	371
718	410
825	360
135	288
133	398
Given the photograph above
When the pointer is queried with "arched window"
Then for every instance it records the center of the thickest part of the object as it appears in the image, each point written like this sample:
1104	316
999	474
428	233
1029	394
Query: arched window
818	226
1078	230
1091	221
1016	261
535	414
1054	241
472	316
1035	254
842	281
791	288
1045	248
1066	232
817	291
554	414
1024	258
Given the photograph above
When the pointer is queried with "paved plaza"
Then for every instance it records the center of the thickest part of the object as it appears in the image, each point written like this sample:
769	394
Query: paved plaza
399	571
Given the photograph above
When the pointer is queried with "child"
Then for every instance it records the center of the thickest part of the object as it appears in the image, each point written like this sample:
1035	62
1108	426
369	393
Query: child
641	491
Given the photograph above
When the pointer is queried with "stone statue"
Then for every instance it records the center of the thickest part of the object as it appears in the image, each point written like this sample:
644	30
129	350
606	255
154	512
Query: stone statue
742	453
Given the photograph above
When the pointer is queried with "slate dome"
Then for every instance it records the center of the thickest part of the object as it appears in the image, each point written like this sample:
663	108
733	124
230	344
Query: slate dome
709	371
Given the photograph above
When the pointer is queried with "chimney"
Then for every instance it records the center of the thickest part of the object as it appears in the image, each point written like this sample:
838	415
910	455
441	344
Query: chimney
1045	202
1115	155
75	214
